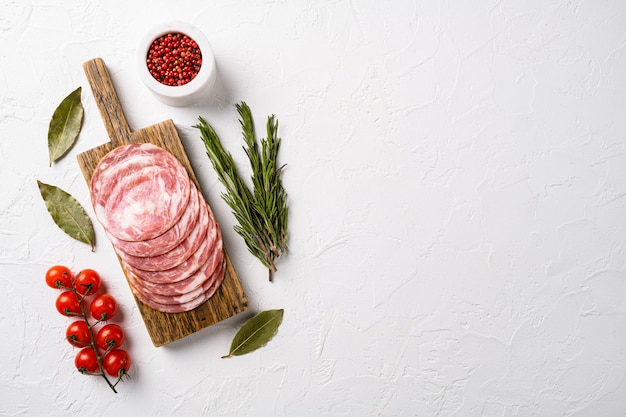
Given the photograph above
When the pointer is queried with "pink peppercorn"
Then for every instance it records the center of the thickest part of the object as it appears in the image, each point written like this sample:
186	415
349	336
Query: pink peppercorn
174	59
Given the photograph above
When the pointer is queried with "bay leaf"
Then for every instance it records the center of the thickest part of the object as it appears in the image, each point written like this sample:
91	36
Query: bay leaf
68	214
65	125
256	332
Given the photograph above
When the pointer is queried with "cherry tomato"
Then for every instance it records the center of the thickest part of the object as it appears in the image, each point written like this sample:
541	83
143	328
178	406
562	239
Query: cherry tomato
77	334
59	276
67	304
103	307
87	282
86	361
116	363
110	336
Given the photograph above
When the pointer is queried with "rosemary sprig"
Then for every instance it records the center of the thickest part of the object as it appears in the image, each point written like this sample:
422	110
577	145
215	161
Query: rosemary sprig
262	212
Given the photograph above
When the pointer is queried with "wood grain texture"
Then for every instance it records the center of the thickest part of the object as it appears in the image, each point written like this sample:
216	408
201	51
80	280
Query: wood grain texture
230	299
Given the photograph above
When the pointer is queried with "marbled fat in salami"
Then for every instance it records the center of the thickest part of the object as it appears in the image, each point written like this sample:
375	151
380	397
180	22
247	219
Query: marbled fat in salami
121	159
209	289
170	308
218	277
178	254
154	200
164	299
187	285
171	238
189	266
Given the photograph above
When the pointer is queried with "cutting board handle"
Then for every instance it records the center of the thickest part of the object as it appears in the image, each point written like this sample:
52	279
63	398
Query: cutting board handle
107	101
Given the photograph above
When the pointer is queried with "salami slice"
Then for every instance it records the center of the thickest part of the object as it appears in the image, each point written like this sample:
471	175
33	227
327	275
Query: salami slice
218	278
153	200
165	299
168	240
189	266
178	254
185	286
169	308
121	159
209	290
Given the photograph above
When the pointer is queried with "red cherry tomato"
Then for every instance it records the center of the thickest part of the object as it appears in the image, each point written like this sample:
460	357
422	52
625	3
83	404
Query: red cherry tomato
103	307
77	334
110	336
87	282
59	276
116	363
67	304
86	361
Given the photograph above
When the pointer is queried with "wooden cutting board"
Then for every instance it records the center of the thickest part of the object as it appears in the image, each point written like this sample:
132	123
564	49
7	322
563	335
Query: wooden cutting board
230	299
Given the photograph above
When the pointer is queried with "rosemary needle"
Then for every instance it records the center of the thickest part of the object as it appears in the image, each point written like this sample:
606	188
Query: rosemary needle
262	212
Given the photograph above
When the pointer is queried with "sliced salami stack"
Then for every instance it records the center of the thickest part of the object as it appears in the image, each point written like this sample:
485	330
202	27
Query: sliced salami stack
164	233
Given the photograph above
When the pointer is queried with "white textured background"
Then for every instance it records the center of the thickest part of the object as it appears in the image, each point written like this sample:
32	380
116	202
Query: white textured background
457	183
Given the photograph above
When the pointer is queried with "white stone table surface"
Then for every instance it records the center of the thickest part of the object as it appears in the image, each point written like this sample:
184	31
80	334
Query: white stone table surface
456	174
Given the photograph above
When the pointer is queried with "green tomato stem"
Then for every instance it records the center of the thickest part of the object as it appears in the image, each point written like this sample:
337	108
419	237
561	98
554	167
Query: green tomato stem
93	339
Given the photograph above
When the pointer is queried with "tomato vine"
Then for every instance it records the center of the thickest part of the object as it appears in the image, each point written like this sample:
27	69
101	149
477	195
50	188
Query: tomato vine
100	352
